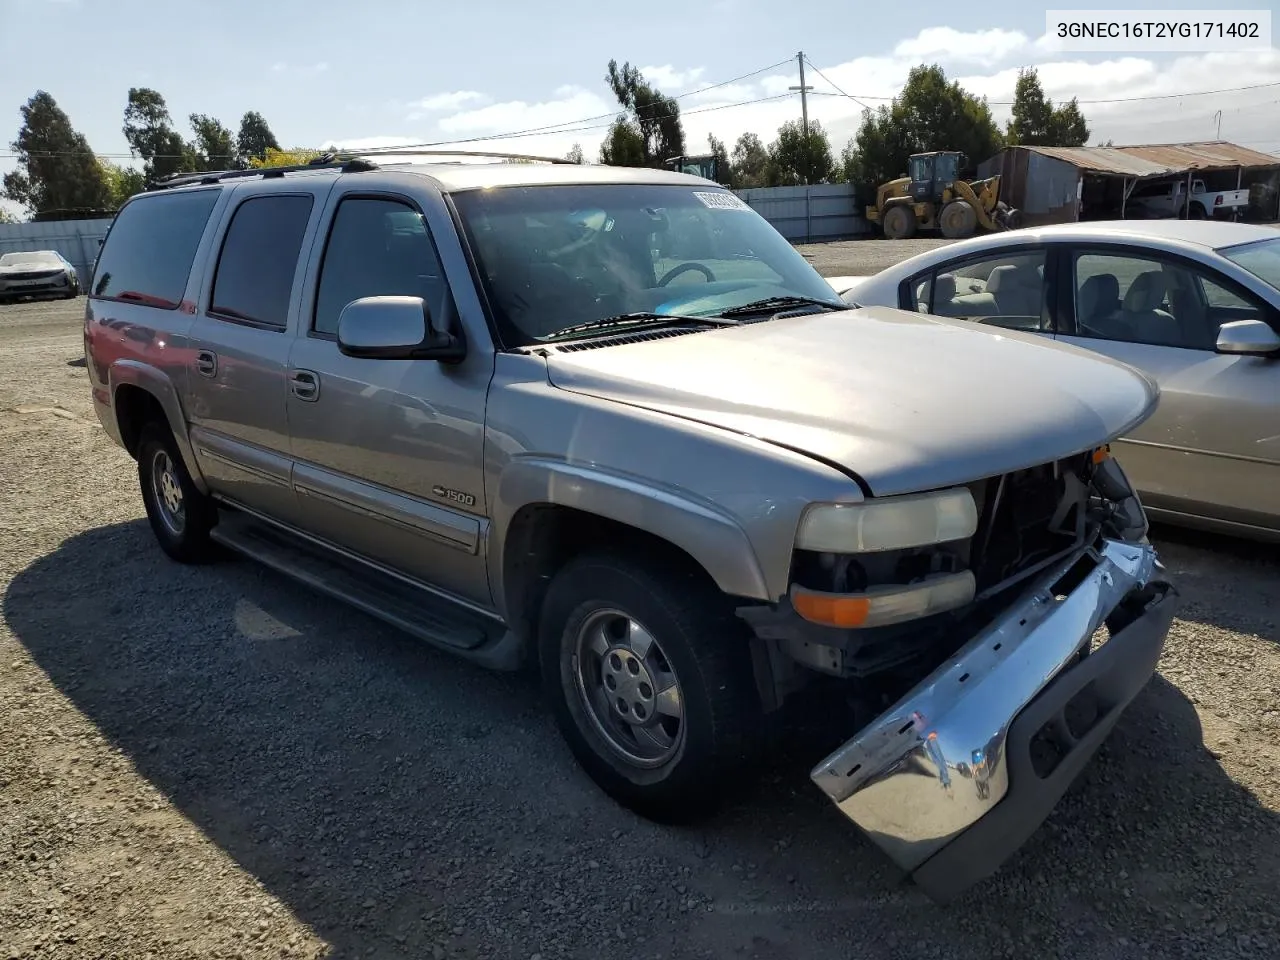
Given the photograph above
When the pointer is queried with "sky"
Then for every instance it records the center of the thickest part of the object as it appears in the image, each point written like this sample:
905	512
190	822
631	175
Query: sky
396	72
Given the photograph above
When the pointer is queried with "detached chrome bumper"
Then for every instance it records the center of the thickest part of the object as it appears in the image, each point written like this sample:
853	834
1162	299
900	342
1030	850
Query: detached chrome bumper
944	781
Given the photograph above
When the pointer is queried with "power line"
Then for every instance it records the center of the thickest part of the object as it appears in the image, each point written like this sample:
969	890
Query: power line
1009	103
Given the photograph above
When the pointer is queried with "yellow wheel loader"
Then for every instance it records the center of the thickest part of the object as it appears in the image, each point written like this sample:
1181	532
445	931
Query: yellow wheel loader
933	197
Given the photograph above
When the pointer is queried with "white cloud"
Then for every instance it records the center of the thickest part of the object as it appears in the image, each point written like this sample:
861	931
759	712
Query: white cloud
672	80
962	46
450	101
1248	117
301	70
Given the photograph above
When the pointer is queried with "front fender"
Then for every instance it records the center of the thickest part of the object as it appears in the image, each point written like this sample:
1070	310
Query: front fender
126	372
698	527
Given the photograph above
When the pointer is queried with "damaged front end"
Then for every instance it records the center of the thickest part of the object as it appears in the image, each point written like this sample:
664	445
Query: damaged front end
1003	652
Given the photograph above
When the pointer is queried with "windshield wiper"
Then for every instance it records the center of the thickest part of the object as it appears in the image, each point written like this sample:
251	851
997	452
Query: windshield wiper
634	319
770	304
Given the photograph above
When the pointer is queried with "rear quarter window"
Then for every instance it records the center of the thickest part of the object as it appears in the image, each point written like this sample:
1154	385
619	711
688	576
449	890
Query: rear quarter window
148	253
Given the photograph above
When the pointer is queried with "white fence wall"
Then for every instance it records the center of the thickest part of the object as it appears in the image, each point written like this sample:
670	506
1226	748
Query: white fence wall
812	214
77	240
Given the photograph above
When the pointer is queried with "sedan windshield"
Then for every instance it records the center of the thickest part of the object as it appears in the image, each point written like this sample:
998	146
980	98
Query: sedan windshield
555	257
1262	259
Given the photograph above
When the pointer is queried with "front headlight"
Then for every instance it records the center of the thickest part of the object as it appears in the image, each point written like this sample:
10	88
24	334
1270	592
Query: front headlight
894	523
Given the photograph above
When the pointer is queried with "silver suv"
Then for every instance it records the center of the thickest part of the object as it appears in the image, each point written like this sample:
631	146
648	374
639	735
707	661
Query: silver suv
609	424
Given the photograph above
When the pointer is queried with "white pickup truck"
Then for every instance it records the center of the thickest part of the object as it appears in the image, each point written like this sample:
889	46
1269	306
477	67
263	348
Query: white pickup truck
1167	199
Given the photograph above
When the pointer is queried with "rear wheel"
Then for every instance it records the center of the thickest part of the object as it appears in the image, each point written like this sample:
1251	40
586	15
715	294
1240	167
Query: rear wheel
899	223
958	219
180	515
1197	212
650	679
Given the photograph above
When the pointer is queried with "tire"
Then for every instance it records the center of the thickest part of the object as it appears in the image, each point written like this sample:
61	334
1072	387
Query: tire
183	534
1197	212
899	223
678	770
958	219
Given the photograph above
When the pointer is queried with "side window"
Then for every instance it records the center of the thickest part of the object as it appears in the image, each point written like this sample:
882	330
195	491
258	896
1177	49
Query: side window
376	248
254	278
1149	300
919	290
149	249
1006	290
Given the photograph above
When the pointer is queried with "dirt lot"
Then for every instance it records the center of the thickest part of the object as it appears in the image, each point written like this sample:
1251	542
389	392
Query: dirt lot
218	763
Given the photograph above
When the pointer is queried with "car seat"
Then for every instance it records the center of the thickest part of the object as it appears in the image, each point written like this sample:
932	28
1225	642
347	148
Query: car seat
1097	305
1142	314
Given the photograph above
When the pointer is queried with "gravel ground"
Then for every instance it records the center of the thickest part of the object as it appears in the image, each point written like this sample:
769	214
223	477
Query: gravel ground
218	763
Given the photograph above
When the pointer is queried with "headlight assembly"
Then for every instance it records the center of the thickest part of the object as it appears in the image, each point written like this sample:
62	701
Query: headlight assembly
894	523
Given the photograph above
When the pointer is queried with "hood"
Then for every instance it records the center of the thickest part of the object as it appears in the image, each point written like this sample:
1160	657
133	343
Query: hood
7	269
905	401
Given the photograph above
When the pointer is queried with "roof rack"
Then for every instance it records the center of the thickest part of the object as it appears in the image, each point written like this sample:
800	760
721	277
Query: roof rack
348	161
415	152
327	161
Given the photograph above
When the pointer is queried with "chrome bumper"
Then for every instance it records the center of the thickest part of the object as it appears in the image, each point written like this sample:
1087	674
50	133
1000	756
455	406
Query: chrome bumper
938	762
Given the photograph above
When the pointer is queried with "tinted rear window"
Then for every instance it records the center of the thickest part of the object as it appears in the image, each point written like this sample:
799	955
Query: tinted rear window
259	258
149	251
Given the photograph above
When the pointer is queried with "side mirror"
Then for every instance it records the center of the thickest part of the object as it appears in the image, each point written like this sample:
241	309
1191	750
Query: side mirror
394	328
1248	337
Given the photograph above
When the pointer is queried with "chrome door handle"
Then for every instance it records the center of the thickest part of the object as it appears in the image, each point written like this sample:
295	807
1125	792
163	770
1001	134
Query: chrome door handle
207	363
305	385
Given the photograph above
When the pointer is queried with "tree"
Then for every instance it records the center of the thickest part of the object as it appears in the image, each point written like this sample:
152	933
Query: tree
255	137
7	217
214	147
149	130
1037	122
796	158
122	182
575	154
623	145
650	120
56	169
721	153
929	114
283	158
750	163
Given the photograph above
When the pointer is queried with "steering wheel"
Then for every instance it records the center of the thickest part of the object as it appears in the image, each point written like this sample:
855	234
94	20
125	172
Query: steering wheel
685	268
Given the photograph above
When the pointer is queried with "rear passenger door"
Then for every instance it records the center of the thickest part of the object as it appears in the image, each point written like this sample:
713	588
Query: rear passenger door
1005	287
1209	448
240	344
388	453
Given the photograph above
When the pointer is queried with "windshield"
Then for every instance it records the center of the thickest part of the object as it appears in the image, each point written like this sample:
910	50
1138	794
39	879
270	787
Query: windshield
553	257
38	257
1262	259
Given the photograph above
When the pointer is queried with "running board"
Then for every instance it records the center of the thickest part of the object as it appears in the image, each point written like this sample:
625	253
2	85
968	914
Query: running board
415	610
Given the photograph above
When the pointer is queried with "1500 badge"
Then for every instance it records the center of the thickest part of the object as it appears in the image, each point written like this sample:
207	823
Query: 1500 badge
457	496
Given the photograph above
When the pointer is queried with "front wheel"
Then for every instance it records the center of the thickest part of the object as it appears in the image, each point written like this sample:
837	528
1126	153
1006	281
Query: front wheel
650	679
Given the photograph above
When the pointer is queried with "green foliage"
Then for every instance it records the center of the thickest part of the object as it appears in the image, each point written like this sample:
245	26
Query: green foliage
575	154
283	158
930	114
7	217
56	168
214	147
149	130
750	163
122	182
723	164
255	137
648	131
796	158
1037	122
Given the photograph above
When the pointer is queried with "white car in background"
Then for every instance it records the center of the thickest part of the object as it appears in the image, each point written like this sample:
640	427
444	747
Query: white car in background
1194	304
37	273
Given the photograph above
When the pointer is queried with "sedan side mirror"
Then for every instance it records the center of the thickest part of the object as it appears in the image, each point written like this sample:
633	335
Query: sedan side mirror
395	328
1248	337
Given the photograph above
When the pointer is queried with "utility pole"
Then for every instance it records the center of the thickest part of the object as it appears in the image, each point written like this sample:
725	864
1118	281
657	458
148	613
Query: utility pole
804	112
1217	116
